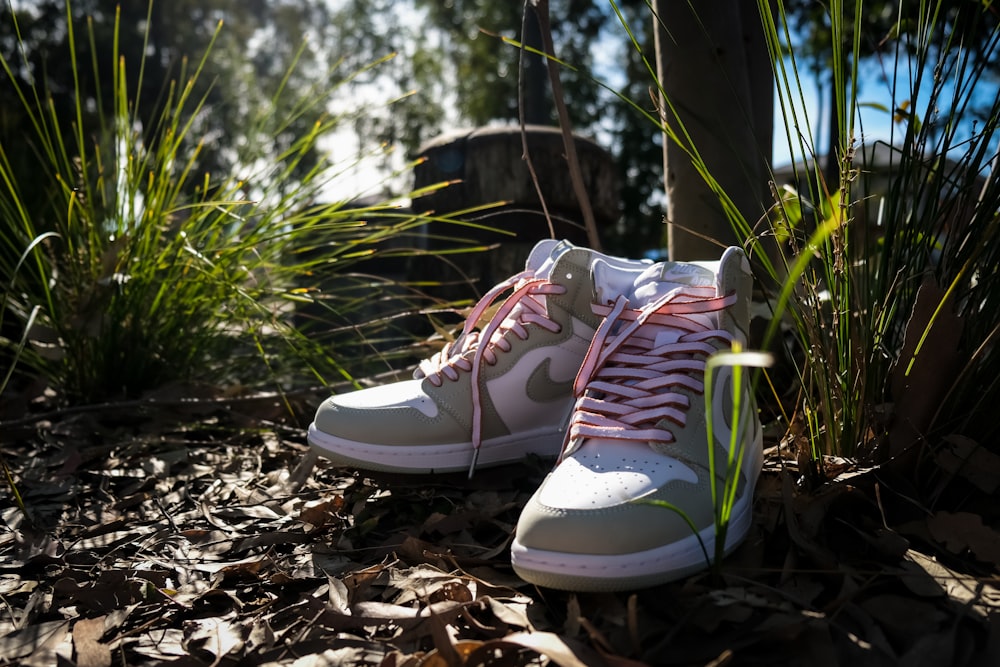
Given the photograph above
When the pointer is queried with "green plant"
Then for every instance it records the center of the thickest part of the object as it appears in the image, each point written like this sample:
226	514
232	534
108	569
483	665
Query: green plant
856	251
879	264
919	210
137	271
724	499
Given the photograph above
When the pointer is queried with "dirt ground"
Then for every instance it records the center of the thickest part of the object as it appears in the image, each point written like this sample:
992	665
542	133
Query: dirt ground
200	531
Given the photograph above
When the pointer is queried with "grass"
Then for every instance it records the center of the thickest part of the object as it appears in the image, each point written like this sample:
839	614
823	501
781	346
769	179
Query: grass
887	281
856	251
927	218
139	271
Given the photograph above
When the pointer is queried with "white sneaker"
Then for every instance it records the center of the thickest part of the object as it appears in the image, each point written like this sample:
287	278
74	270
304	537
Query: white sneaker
502	390
638	433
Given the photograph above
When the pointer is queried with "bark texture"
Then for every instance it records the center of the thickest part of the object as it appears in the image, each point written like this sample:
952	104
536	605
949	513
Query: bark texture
714	68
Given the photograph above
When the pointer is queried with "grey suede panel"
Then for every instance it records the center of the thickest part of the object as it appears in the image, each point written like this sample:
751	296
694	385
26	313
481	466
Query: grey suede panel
389	426
621	529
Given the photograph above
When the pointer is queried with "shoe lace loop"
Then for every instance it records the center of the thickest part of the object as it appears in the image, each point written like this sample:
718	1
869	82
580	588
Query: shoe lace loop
468	351
639	359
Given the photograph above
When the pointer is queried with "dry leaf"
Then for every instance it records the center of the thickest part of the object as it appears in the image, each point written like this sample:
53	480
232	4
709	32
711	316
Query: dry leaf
321	513
929	578
964	530
33	639
215	635
965	457
563	652
90	651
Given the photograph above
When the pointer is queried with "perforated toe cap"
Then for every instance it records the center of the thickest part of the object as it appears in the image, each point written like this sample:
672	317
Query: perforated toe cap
603	474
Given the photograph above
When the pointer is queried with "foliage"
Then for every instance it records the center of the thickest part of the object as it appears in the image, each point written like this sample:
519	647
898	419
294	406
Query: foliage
363	30
876	24
158	39
927	216
140	269
857	250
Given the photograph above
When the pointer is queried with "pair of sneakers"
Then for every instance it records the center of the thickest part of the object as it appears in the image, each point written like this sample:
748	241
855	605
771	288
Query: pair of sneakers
597	360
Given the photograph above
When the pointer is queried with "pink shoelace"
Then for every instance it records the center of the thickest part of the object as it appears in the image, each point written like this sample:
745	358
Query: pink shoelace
518	310
628	383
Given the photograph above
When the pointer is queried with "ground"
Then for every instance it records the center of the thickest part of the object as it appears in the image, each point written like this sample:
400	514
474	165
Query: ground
200	531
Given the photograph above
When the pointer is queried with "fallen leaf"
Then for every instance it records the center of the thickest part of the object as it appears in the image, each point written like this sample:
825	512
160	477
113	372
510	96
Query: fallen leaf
963	530
976	464
32	639
217	636
563	652
12	584
927	365
90	651
321	513
929	578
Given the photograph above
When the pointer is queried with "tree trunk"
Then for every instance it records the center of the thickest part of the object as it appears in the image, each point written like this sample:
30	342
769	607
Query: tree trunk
537	108
715	70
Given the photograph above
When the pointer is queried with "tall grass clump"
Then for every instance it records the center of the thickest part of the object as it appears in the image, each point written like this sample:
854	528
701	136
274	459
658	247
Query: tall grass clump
136	270
894	301
887	292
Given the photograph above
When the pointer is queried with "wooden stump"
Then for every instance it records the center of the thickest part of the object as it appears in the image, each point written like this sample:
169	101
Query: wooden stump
487	167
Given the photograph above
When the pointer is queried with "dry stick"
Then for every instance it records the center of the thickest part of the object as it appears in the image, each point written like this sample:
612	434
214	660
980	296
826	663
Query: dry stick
526	152
569	144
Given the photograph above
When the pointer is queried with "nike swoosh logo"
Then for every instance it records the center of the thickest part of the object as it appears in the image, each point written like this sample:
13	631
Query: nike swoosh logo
541	388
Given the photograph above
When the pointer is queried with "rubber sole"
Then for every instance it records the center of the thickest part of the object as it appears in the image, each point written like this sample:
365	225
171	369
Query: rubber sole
454	457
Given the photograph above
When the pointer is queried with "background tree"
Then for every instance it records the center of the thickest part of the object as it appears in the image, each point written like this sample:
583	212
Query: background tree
160	44
450	68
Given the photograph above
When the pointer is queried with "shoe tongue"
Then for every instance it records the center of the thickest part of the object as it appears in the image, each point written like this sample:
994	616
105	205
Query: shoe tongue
662	279
540	263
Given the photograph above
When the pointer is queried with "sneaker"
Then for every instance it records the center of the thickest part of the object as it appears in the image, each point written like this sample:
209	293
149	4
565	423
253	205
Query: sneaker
638	434
503	389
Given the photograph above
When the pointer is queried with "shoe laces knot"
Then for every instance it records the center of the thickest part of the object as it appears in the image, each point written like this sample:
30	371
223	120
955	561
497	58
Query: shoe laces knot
640	359
524	306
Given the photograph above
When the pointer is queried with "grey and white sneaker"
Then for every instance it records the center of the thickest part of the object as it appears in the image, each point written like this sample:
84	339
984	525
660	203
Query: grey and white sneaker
503	389
638	433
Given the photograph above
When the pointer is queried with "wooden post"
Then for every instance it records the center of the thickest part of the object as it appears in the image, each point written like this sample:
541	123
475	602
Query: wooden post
710	66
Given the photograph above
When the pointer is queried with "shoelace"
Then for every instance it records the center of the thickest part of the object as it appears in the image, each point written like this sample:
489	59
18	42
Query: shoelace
517	310
628	383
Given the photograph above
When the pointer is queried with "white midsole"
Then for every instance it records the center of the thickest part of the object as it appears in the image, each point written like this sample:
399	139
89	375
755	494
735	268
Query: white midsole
438	457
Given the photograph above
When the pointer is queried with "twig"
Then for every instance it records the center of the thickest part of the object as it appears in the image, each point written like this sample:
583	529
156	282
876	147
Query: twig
526	152
569	144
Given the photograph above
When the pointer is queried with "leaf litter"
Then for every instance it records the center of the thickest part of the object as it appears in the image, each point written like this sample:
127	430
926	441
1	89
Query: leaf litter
207	534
